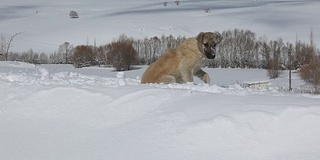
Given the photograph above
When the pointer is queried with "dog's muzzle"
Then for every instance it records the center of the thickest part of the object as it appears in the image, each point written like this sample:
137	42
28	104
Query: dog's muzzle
211	54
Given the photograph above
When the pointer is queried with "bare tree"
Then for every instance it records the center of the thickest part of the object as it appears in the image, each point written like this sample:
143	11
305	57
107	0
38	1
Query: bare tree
5	48
66	49
265	51
290	64
273	68
56	58
43	58
30	56
101	55
304	53
150	49
2	44
238	49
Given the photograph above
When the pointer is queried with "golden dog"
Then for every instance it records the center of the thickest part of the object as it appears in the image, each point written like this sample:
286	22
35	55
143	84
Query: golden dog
180	64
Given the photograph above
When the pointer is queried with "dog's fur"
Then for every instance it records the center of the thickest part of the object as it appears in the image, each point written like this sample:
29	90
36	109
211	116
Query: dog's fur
180	64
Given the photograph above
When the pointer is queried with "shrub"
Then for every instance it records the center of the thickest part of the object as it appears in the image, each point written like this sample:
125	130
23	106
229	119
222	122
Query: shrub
122	53
83	56
310	73
274	69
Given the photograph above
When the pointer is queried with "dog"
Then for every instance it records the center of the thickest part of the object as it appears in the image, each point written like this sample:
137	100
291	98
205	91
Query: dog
180	64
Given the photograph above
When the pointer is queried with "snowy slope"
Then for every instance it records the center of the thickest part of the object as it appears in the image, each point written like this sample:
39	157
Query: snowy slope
46	24
58	112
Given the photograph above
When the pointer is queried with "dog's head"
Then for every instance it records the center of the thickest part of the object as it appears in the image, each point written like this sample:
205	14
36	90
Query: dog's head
207	42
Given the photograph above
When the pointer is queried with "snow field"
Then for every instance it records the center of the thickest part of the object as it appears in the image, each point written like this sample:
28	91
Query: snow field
58	112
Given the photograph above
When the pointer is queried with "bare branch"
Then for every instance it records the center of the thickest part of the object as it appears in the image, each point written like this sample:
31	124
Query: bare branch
8	45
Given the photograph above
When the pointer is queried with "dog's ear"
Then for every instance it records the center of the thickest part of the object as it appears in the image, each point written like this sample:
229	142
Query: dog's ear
218	37
200	37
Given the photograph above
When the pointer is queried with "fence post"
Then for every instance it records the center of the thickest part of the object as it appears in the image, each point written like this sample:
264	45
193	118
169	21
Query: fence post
289	56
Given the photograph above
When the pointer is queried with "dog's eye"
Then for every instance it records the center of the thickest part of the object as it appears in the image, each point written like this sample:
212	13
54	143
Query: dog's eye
205	44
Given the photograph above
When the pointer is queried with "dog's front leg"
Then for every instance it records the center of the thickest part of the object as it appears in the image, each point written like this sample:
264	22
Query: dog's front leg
203	76
187	76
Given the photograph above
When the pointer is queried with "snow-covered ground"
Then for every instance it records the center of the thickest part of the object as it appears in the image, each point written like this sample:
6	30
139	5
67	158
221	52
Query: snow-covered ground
59	112
45	24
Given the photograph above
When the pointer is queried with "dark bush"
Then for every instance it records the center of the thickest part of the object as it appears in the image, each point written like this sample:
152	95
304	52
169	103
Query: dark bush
310	73
274	68
122	53
83	56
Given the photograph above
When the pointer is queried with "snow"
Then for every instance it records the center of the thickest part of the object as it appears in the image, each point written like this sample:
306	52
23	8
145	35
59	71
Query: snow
46	24
60	112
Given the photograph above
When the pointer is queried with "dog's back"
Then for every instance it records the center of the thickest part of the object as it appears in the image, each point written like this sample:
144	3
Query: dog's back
167	64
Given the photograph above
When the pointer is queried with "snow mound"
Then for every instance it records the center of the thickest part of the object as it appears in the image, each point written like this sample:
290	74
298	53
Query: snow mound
96	113
16	64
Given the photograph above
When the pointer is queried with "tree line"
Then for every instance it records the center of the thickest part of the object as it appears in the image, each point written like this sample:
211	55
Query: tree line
238	49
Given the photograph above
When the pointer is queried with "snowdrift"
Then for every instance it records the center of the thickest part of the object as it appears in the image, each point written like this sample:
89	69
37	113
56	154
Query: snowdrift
59	112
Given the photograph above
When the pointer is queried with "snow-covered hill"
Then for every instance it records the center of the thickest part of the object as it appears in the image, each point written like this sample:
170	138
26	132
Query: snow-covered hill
59	112
45	24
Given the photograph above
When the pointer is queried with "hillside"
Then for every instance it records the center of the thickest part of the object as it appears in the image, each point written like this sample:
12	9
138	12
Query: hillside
46	24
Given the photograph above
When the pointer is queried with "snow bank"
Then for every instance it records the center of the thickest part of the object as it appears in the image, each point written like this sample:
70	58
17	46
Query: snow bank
80	114
16	64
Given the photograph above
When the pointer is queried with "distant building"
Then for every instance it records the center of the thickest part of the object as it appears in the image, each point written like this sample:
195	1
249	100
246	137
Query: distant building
73	14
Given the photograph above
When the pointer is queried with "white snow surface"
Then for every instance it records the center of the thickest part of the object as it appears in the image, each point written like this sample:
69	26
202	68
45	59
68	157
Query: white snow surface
56	112
45	24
